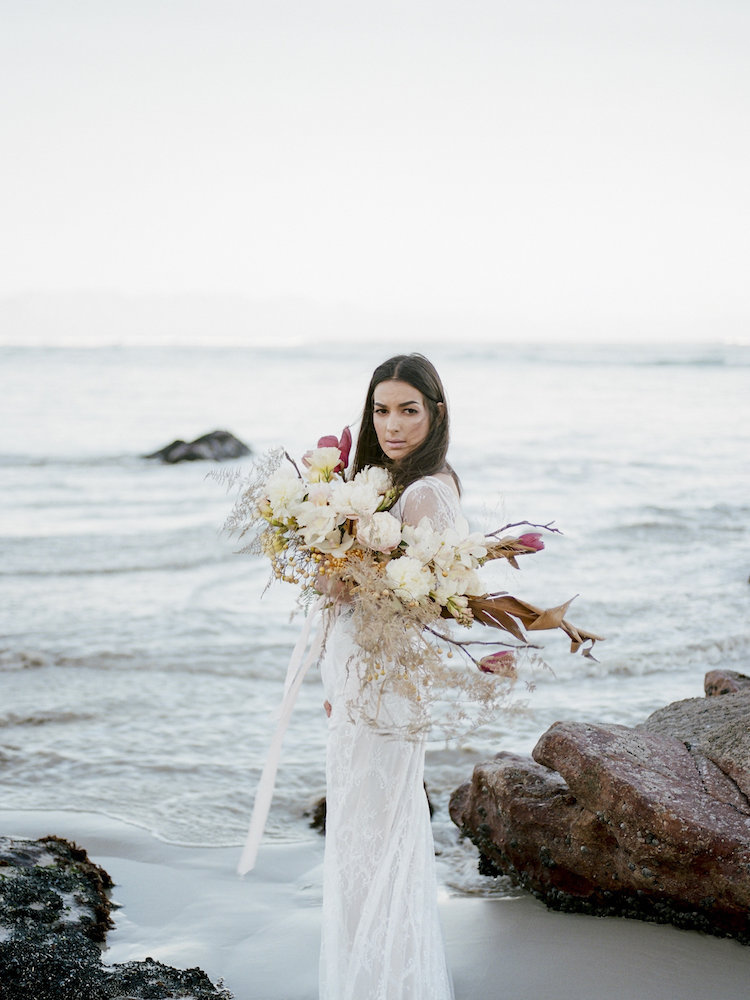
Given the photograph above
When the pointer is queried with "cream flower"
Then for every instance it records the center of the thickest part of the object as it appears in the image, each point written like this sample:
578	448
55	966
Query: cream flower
285	492
319	494
357	498
458	582
460	545
336	543
409	578
321	464
375	476
423	542
471	548
316	522
381	532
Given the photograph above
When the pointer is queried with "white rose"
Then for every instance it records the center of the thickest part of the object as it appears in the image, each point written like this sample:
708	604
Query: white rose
319	493
381	532
357	498
375	476
285	492
409	578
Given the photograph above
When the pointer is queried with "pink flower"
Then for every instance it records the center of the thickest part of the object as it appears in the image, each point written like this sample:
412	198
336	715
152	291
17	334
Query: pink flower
503	663
344	445
532	540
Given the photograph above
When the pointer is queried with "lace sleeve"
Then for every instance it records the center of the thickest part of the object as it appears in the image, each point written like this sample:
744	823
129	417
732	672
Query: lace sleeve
431	498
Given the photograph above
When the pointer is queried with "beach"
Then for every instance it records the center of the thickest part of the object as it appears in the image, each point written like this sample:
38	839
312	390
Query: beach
141	668
185	906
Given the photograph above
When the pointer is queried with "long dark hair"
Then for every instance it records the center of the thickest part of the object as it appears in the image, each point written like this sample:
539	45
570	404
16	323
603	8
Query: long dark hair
429	458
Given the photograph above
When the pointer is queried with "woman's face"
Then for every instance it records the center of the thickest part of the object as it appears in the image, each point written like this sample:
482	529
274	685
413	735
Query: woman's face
401	418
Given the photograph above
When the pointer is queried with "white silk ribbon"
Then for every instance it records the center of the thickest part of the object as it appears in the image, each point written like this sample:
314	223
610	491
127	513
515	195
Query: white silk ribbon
299	664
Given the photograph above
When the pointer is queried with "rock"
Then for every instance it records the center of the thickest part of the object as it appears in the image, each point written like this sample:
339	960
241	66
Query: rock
715	728
651	822
54	915
318	816
147	979
318	812
724	682
218	446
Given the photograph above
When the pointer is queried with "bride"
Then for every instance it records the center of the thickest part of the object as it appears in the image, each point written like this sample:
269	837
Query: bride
381	936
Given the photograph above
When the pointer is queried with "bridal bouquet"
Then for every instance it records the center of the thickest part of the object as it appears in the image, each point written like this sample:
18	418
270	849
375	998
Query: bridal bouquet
338	537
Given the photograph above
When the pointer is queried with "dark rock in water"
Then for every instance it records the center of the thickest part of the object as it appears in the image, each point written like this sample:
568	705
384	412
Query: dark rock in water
650	822
318	816
318	813
147	979
54	913
218	446
39	871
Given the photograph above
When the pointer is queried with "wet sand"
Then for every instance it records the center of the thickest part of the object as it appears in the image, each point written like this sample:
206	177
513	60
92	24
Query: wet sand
186	907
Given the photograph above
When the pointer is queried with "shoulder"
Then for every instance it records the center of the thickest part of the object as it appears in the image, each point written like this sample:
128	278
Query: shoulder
435	497
442	484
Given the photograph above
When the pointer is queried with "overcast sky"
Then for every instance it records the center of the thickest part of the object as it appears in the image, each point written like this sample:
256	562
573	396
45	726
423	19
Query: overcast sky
559	164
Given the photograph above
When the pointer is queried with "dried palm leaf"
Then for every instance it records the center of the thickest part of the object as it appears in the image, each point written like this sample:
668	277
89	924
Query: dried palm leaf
513	615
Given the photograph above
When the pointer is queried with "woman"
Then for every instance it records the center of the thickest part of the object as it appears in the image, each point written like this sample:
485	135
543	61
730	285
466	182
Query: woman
381	934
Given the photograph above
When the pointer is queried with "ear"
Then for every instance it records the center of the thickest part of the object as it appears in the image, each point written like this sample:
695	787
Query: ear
441	410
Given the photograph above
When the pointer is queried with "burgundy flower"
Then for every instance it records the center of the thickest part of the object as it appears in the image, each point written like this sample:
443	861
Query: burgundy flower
503	663
344	445
532	540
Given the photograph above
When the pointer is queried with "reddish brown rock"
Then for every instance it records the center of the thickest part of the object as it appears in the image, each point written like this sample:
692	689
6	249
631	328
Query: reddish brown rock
716	728
724	682
651	822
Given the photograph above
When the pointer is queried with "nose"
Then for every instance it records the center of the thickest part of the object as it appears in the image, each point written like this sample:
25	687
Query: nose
392	424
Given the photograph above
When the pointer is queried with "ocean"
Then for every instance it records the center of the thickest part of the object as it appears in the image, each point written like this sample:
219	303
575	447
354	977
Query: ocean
140	666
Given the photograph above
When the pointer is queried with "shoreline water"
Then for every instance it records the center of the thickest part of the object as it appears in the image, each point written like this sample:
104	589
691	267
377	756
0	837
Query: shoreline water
140	671
186	907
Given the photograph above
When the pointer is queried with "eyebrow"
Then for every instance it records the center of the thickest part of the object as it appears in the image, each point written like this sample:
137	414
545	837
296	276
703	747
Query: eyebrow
410	402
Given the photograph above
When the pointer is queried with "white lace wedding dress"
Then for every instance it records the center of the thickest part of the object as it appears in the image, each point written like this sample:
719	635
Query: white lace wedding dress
381	935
